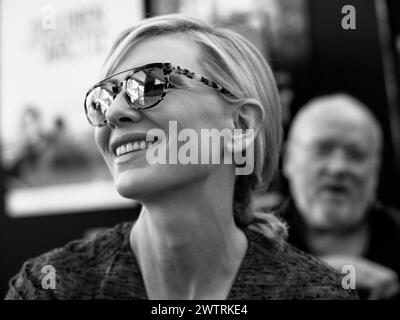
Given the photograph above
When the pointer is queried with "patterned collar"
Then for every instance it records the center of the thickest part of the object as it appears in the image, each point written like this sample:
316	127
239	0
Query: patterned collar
123	277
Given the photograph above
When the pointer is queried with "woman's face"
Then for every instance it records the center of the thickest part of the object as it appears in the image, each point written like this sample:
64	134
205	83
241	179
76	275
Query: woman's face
192	105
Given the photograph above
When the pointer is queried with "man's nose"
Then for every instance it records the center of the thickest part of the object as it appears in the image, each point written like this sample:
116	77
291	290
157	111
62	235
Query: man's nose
338	163
120	113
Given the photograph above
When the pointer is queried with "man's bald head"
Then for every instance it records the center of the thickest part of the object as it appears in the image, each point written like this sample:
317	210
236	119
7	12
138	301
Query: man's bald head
332	161
329	110
335	109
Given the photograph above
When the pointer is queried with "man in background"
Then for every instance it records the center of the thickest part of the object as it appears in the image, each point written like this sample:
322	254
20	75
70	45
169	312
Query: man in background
332	163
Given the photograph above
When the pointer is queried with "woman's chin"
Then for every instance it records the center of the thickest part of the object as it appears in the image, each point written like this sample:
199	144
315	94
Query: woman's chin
141	185
144	184
130	185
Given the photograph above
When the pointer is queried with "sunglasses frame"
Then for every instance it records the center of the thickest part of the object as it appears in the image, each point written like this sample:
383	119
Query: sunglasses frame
167	69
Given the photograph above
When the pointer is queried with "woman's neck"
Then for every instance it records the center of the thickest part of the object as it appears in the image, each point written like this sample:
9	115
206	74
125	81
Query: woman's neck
187	243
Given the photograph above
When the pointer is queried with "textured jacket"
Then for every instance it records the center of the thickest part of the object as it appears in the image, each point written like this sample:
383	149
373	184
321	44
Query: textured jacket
105	267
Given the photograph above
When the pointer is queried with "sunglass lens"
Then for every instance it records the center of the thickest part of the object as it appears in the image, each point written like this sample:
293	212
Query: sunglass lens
145	87
97	102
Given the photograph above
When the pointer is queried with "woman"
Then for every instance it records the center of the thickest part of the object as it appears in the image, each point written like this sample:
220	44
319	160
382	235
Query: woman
196	236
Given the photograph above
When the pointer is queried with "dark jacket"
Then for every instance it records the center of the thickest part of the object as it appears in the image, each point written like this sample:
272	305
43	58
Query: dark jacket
105	267
384	241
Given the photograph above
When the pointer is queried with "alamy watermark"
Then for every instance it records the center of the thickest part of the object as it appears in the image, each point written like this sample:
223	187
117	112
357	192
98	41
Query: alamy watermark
349	20
48	19
349	280
212	146
49	278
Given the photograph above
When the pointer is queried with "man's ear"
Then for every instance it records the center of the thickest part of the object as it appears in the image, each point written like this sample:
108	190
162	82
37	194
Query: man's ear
248	118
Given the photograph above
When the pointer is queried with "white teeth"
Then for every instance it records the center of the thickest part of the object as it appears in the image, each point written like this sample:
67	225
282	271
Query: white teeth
133	146
129	147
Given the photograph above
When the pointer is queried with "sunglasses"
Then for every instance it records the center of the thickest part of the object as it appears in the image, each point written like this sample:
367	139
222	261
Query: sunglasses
144	87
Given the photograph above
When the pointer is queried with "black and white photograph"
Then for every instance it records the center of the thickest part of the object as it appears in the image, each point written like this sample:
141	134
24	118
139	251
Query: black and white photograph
199	150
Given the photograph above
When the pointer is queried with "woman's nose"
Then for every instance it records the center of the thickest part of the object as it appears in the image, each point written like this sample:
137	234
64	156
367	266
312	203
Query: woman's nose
120	113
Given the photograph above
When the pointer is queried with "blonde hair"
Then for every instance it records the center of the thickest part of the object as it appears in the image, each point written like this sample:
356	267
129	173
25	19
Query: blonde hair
237	65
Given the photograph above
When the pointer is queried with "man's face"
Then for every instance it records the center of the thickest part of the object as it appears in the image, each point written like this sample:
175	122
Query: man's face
332	166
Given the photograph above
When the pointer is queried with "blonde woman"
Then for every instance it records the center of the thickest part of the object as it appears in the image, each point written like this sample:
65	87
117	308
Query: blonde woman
197	236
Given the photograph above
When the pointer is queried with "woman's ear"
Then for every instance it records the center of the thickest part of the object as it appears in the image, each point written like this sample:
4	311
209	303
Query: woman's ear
248	118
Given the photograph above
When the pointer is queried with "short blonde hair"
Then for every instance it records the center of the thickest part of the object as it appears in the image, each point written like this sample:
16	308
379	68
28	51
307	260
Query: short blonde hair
237	65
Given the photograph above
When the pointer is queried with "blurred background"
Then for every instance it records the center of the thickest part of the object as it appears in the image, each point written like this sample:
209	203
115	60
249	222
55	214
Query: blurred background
54	186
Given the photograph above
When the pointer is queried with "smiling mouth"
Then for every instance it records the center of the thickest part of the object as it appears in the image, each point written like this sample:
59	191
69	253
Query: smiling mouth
135	146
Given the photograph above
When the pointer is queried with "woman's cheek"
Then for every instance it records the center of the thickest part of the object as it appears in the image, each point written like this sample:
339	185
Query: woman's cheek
102	137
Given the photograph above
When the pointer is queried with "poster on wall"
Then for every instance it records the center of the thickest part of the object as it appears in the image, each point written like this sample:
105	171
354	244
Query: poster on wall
51	53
